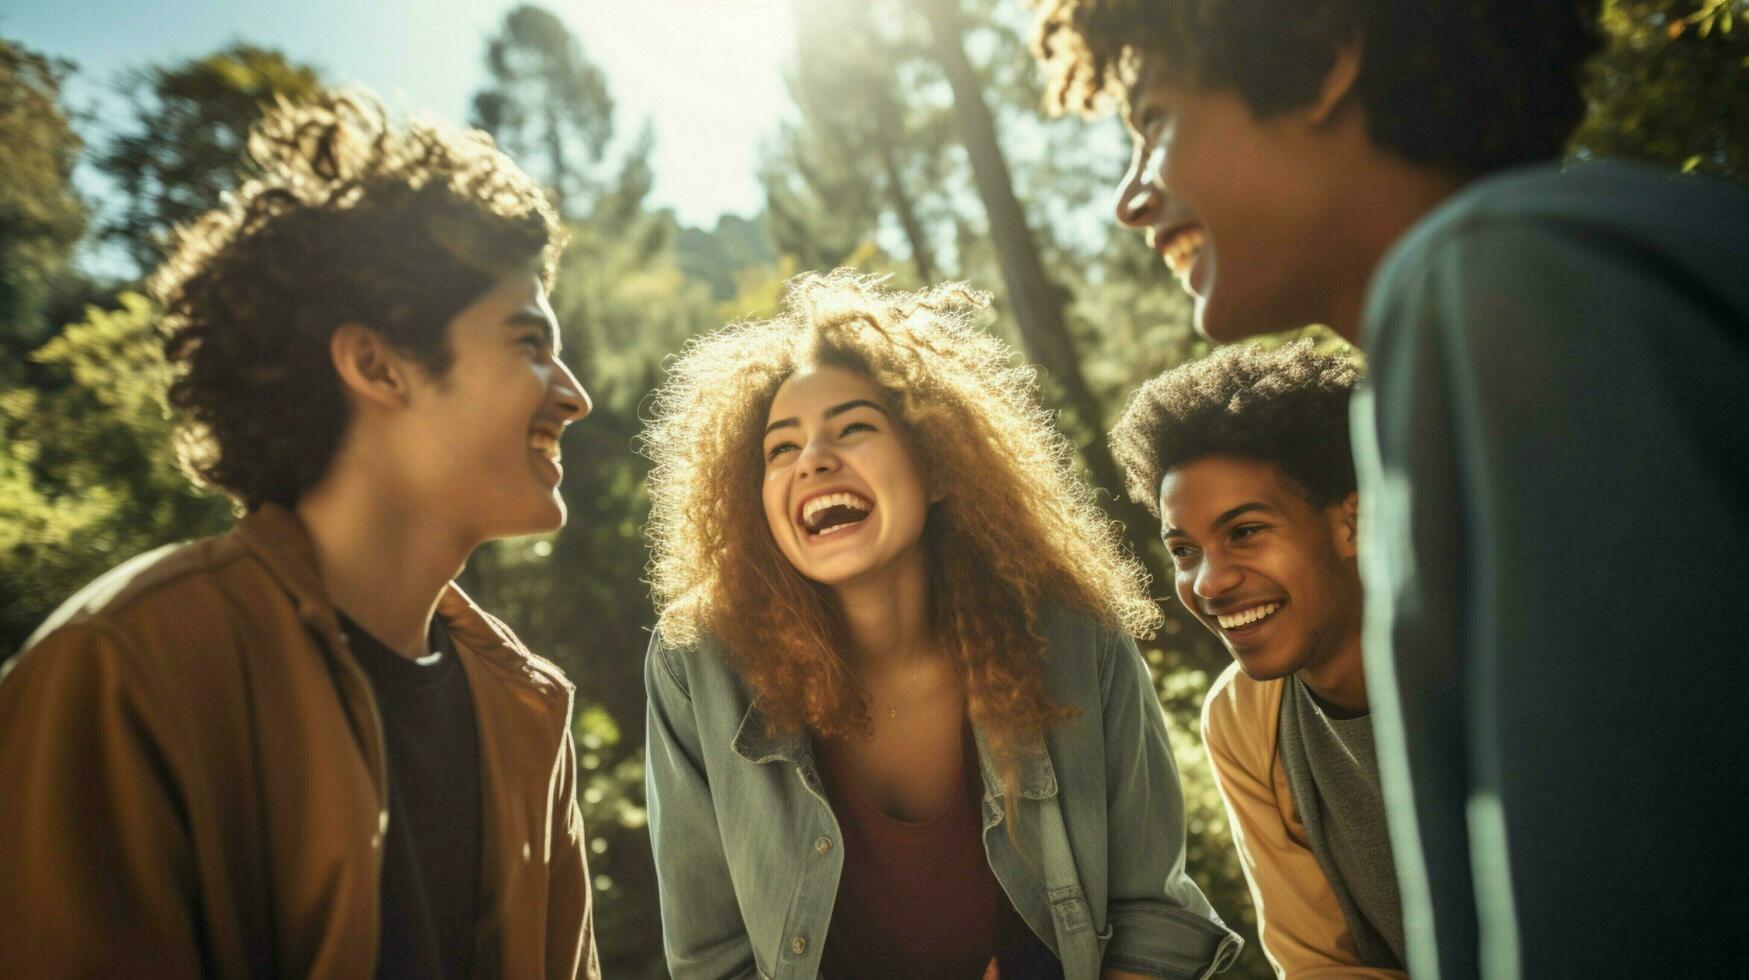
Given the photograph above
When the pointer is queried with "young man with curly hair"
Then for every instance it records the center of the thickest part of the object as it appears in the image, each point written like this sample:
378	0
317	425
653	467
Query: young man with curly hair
1244	457
297	749
1557	358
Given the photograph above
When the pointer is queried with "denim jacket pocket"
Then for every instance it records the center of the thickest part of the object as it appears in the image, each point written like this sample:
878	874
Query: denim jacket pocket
1069	910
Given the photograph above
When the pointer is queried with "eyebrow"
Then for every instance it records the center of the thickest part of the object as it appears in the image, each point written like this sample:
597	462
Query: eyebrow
839	409
1227	517
530	318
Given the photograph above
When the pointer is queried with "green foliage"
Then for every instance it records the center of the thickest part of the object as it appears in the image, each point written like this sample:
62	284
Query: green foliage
1672	86
718	256
1209	854
190	129
41	216
548	104
866	157
88	475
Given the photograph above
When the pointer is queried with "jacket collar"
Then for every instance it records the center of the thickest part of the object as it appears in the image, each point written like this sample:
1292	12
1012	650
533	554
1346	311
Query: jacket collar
276	537
279	540
1038	778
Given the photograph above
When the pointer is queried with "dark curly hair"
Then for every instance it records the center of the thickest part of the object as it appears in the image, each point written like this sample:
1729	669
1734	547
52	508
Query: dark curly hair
1465	85
1286	405
351	219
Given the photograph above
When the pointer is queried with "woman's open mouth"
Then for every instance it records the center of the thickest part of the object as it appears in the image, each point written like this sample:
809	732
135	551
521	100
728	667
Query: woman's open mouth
834	513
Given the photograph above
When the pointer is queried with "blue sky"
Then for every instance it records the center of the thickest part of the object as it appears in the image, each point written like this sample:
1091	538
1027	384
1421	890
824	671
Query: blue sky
706	73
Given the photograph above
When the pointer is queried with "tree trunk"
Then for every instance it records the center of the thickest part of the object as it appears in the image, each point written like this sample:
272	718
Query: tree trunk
556	158
921	254
1037	301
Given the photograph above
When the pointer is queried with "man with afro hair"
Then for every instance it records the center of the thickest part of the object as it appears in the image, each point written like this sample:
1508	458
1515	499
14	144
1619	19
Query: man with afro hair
1548	444
1244	457
297	749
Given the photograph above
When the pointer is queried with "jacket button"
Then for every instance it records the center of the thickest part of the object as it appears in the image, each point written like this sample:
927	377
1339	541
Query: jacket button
798	945
823	845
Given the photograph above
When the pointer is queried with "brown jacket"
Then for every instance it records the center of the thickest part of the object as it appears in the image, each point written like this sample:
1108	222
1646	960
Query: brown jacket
1299	923
192	779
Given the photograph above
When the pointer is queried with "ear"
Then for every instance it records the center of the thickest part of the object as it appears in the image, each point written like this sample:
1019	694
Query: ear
368	368
1338	83
1348	541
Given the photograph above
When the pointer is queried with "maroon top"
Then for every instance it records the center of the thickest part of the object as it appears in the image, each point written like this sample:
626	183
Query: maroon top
915	899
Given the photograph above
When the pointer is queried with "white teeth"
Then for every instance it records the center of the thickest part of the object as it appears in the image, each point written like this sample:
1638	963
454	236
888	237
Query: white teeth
544	444
1248	616
1182	250
820	503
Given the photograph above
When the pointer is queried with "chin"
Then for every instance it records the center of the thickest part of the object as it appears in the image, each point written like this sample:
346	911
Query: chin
1213	323
1220	324
1266	665
833	576
542	518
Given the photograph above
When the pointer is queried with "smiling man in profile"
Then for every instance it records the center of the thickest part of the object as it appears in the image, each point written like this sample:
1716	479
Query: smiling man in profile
1548	445
1244	456
297	749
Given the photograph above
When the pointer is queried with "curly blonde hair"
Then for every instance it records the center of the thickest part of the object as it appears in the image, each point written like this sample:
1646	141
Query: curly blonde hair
350	218
1030	535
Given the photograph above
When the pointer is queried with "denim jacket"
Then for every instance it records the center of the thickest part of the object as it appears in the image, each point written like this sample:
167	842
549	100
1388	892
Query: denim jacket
746	844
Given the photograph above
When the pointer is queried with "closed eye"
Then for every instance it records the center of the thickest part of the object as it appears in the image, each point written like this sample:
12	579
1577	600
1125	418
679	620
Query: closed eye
779	449
858	427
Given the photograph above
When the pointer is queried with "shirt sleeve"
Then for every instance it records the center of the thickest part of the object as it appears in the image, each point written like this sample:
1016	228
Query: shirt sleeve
703	933
1299	922
95	856
1161	923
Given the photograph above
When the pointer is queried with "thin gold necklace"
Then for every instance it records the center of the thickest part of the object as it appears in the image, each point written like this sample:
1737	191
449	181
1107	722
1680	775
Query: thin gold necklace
910	685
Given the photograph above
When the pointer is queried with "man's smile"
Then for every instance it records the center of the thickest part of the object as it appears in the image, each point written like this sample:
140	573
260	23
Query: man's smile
1247	617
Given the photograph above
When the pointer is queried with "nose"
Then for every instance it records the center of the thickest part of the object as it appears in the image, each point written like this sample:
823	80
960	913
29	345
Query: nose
1215	576
817	459
568	395
1140	197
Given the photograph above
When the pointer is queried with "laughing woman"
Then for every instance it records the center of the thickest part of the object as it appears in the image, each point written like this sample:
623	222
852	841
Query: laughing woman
897	724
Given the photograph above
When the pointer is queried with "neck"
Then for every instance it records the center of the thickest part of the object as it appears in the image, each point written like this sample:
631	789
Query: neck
1340	677
886	615
383	562
1381	197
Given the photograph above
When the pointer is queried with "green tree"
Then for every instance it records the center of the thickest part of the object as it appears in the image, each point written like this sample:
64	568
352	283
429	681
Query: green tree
548	104
861	156
88	475
41	216
1672	86
187	142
